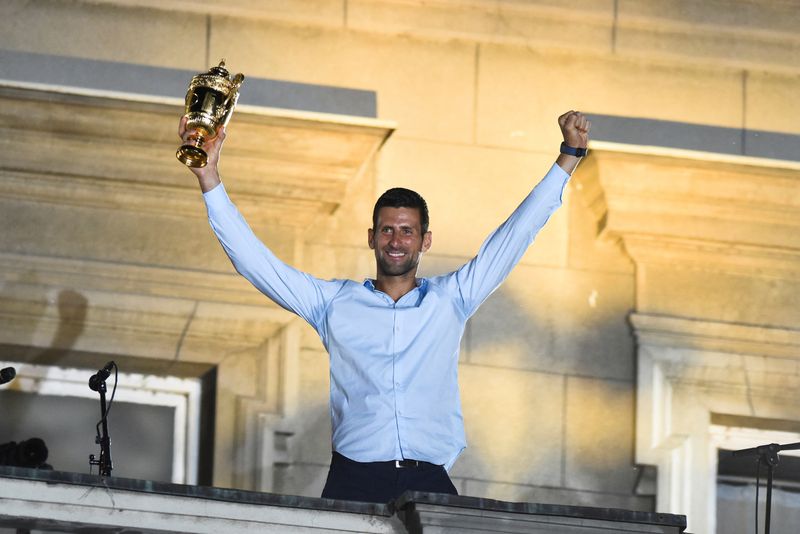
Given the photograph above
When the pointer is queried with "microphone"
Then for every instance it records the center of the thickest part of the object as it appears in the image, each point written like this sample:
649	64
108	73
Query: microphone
772	448
100	376
7	375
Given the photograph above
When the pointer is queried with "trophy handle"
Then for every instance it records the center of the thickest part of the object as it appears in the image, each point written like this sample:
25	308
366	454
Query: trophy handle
230	102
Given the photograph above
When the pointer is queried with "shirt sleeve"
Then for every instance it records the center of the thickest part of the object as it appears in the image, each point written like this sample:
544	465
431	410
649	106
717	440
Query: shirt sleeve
504	247
290	288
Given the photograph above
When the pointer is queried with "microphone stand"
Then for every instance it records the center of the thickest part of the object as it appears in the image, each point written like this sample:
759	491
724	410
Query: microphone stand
104	463
768	455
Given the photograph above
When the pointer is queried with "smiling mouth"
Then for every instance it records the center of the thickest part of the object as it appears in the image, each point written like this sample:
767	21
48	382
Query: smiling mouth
396	254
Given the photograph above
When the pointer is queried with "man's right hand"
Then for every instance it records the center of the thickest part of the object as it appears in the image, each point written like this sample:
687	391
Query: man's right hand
208	176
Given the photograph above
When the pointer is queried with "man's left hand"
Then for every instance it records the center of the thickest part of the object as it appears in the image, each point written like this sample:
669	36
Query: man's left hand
575	128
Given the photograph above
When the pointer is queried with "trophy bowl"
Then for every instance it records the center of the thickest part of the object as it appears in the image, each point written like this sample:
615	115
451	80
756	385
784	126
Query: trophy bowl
210	100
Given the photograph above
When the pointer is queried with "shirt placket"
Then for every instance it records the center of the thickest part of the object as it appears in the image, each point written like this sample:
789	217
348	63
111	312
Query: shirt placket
399	404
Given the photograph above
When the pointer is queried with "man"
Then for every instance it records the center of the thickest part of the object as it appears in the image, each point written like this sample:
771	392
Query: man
393	341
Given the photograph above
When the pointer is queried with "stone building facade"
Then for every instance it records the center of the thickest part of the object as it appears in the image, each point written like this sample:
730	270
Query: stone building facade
653	322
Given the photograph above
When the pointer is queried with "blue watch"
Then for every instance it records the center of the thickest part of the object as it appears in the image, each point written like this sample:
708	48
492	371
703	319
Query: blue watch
572	151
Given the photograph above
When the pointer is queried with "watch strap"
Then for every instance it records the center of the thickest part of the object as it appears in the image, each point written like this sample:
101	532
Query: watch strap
573	151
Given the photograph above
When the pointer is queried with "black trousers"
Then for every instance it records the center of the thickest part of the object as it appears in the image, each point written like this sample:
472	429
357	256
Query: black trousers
382	482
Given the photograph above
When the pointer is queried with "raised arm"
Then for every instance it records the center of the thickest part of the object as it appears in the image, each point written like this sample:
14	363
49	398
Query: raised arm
501	251
290	288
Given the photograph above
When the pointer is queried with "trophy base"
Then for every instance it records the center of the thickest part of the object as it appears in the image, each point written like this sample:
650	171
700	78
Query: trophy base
192	156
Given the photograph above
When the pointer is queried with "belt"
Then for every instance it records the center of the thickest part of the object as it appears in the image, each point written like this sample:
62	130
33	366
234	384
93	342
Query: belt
396	464
399	464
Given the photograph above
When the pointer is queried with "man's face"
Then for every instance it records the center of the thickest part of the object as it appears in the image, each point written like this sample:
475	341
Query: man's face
398	241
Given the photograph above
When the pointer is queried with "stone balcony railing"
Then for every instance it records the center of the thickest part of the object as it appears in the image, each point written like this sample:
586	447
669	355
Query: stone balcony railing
55	501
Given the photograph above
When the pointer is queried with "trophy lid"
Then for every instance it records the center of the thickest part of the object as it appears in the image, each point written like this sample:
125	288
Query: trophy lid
220	70
217	78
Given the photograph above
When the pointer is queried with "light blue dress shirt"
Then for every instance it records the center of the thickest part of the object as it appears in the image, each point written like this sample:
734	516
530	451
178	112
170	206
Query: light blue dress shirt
393	365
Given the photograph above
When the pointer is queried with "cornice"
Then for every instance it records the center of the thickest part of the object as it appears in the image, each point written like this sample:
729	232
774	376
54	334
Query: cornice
66	305
60	322
714	256
115	151
733	200
93	275
714	336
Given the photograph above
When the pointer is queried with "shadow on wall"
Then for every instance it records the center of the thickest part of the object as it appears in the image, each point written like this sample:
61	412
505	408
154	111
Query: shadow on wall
547	382
30	305
554	320
72	311
31	321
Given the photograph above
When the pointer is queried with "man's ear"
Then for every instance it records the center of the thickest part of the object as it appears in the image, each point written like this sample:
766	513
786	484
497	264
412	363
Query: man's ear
427	241
370	235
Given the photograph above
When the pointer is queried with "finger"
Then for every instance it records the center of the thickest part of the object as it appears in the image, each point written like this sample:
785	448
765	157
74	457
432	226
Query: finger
216	142
214	146
562	120
572	120
182	127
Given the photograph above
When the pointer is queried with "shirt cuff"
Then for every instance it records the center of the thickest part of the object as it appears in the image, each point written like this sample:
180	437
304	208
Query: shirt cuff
556	168
216	197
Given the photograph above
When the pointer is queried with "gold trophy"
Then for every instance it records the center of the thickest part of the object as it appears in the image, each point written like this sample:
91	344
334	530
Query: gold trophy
210	100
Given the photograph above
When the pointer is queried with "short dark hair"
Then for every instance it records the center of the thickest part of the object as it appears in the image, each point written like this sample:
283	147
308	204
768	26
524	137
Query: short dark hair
400	197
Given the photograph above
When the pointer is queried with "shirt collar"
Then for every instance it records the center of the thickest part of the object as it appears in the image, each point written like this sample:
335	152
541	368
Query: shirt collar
422	284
